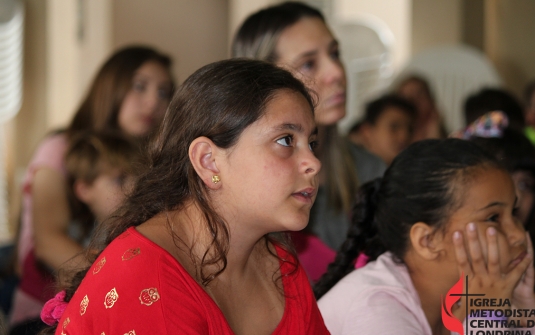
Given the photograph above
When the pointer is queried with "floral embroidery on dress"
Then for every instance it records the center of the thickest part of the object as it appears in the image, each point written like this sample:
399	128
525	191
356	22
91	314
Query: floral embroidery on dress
148	296
131	253
111	298
132	332
66	322
83	305
99	265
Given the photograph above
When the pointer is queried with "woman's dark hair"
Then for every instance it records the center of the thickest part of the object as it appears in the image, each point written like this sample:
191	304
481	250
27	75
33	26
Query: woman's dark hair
218	101
493	99
376	108
258	35
100	108
420	186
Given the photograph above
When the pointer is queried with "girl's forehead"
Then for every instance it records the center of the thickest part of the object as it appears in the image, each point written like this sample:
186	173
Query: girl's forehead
483	187
287	106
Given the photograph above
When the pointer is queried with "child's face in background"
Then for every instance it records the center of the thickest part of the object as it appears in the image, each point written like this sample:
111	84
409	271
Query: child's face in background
524	186
106	193
416	93
489	201
391	133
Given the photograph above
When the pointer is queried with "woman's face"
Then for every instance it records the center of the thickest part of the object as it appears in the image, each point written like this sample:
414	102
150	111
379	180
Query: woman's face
309	49
144	105
271	172
489	201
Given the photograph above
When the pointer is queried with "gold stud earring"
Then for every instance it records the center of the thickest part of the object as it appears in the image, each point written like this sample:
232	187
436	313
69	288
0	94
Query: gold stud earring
215	179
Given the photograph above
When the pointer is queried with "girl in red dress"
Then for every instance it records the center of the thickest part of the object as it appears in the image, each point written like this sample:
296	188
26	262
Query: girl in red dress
195	249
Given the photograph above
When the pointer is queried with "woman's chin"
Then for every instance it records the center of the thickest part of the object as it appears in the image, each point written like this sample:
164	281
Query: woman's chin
330	116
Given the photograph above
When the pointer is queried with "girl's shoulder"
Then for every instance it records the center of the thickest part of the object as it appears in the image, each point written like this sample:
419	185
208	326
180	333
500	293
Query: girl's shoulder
384	275
135	285
383	296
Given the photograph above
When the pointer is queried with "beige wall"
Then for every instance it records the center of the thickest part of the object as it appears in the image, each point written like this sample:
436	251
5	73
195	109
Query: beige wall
435	23
240	9
509	42
193	33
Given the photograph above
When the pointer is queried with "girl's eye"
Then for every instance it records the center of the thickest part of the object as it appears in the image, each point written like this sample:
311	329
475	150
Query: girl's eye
138	86
515	211
313	145
285	141
493	218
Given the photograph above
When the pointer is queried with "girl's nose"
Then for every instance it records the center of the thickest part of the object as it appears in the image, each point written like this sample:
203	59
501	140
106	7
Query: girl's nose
311	164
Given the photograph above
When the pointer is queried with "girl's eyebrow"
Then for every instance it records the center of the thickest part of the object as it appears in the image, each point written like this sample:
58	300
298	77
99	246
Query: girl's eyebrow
492	204
295	127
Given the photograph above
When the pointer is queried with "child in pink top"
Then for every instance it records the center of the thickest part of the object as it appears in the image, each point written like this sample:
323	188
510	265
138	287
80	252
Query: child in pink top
442	214
129	95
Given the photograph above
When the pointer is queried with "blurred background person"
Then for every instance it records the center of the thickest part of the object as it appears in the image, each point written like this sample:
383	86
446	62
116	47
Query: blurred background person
295	36
100	172
494	99
429	122
128	95
529	110
387	126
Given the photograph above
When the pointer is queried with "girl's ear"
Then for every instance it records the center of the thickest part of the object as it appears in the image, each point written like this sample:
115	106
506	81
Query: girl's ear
422	237
202	154
82	190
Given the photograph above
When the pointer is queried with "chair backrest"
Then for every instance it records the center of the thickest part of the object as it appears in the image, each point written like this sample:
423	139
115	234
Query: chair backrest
11	52
453	72
366	49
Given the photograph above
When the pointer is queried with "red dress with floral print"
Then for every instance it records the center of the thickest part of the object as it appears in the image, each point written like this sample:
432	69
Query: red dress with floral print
136	287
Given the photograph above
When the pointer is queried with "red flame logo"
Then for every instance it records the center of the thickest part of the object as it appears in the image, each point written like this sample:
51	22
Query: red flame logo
449	321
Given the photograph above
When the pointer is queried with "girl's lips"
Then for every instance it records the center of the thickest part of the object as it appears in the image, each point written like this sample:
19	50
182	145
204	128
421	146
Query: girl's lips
307	195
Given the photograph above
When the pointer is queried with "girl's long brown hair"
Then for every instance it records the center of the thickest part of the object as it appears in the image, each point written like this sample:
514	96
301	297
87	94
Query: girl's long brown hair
218	101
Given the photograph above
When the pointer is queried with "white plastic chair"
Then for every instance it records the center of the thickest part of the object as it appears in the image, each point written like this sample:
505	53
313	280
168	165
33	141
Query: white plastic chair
11	61
366	50
453	72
